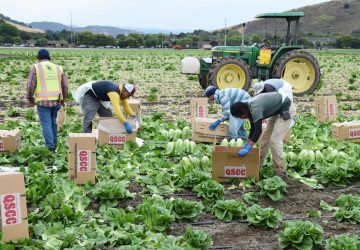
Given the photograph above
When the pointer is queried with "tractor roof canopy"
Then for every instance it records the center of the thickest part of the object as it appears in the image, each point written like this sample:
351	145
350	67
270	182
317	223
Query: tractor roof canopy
281	15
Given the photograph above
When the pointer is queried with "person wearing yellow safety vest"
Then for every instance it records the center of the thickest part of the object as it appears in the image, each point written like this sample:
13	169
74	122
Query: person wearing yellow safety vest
47	81
96	97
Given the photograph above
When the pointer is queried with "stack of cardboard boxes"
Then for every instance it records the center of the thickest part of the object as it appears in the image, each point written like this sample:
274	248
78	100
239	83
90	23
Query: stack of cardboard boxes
200	123
226	163
325	110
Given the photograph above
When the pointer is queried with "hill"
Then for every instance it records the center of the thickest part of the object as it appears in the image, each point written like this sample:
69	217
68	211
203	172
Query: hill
330	18
107	30
20	25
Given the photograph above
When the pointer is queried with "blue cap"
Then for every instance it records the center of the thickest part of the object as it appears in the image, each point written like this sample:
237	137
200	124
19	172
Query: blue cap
43	53
210	90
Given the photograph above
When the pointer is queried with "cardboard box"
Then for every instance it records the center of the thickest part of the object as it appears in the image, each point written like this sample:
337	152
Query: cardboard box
112	132
346	131
13	212
136	107
227	164
61	116
202	133
82	157
10	140
325	108
198	137
202	126
198	108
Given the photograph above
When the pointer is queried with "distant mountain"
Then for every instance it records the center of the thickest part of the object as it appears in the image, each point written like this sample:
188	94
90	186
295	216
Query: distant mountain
107	30
328	18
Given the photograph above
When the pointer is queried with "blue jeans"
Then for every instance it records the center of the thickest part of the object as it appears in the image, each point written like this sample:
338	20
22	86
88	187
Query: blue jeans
236	128
47	116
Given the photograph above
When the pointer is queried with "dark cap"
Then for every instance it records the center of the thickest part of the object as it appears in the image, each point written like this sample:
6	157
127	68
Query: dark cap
43	54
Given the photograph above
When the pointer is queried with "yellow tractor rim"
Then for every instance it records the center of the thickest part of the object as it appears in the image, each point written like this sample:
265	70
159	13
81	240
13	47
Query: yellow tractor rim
231	76
300	73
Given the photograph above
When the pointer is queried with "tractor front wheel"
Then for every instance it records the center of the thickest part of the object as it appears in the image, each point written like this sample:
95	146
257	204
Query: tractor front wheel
300	69
230	73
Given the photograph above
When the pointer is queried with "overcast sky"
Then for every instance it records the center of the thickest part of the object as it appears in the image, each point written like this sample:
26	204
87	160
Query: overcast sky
164	14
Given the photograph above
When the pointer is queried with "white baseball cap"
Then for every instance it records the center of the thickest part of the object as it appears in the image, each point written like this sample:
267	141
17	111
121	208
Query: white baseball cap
258	87
129	87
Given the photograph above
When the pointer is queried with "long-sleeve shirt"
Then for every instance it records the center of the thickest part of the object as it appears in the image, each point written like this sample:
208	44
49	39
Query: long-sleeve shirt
31	86
262	107
229	96
109	91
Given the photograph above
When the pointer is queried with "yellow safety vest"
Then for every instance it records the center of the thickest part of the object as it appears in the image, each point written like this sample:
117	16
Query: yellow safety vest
48	76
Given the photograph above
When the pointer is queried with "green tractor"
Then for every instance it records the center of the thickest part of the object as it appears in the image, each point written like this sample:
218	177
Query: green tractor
236	66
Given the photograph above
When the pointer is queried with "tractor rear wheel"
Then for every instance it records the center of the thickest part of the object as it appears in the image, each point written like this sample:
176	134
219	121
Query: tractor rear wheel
203	80
230	73
300	69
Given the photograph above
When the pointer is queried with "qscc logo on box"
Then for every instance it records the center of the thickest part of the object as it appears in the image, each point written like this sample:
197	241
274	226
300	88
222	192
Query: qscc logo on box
84	160
2	148
201	111
232	171
354	133
331	109
10	209
117	139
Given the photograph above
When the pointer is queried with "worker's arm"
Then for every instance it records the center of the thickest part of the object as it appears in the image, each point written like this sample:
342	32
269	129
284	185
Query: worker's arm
256	129
127	107
31	85
64	85
115	102
225	103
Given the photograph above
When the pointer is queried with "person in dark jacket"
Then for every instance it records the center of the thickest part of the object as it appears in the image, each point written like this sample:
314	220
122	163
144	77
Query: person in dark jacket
96	97
271	106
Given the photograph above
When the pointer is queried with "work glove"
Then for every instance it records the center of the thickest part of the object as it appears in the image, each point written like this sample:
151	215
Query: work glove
214	125
128	127
247	148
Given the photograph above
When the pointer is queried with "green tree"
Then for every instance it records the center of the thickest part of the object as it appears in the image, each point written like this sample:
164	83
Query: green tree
8	30
41	42
255	39
86	38
184	41
132	42
17	40
152	40
122	43
139	38
233	40
344	41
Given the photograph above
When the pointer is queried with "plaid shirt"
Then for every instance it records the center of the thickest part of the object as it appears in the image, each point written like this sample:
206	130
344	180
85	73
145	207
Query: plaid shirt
31	86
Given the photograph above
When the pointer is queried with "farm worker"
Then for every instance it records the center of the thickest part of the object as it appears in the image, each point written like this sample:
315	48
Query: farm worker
268	105
47	81
98	96
272	85
227	97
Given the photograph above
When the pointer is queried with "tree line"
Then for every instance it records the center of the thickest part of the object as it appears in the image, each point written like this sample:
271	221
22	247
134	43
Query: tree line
10	34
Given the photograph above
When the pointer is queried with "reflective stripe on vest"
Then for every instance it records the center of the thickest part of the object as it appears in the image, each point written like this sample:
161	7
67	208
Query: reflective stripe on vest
48	85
